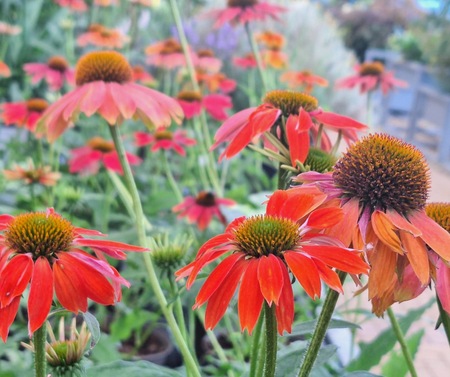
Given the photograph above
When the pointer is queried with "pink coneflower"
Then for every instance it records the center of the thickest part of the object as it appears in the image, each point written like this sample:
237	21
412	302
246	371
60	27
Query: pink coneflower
247	61
76	5
101	36
165	139
214	104
86	160
9	29
216	81
32	175
370	76
207	61
55	72
25	113
142	76
4	70
167	54
243	11
202	208
303	79
104	85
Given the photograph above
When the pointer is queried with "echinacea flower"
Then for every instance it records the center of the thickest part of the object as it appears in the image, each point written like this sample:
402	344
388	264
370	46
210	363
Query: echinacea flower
45	248
167	54
214	104
86	160
55	72
369	76
104	85
106	3
147	3
302	116
264	250
383	185
9	29
202	208
243	11
4	70
142	76
272	54
304	79
32	175
25	113
101	36
247	61
76	5
216	81
162	138
207	61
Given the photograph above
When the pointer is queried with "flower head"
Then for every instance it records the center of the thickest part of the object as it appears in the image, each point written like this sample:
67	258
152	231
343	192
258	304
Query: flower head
104	85
167	54
169	254
4	70
76	5
247	61
303	79
243	11
302	115
32	175
162	138
202	208
216	81
86	160
370	76
142	76
272	55
147	3
101	36
23	114
207	61
265	249
106	3
9	29
215	104
45	247
55	72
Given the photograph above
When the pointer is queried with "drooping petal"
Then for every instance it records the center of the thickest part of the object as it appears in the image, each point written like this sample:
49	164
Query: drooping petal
340	121
15	278
305	270
41	294
442	284
344	229
400	222
330	277
270	276
106	244
7	315
385	231
383	262
284	311
250	298
297	135
416	251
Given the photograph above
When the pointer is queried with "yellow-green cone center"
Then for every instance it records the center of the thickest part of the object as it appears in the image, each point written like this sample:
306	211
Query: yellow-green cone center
290	101
439	212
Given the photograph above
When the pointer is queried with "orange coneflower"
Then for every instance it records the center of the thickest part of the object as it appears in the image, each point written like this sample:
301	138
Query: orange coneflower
101	36
32	175
216	81
264	250
104	85
25	113
4	70
106	3
54	264
56	71
162	138
272	54
167	54
303	79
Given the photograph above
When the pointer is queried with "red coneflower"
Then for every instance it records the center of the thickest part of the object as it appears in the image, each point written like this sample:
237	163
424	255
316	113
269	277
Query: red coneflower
25	113
162	138
202	208
55	72
247	61
243	11
76	5
370	76
86	160
104	85
303	79
216	81
100	36
265	249
167	54
214	104
45	248
32	175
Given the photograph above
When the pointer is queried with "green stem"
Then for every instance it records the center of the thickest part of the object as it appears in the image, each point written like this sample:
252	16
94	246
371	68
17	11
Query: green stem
256	338
255	50
321	329
401	339
445	319
369	108
319	136
40	361
171	179
153	278
271	340
335	148
33	197
262	356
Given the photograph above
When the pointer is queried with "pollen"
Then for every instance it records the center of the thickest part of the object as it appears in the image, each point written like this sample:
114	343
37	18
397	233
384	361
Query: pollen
206	199
99	144
241	3
40	234
384	172
58	63
107	66
439	212
319	160
265	234
163	135
37	105
289	101
374	69
189	96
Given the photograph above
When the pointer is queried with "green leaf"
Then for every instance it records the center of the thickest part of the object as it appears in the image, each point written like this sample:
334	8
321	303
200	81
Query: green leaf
396	365
371	353
105	351
361	373
324	354
93	327
124	325
289	359
128	368
308	326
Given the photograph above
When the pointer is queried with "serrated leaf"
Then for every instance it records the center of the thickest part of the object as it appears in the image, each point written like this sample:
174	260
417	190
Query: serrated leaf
127	368
93	327
289	359
308	326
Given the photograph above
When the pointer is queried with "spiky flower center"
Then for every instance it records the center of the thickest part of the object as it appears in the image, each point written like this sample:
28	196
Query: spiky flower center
373	68
265	234
206	53
95	28
37	105
65	353
33	175
384	172
439	212
289	101
241	3
58	63
106	33
99	144
163	135
319	160
40	234
205	199
107	66
171	46
189	96
306	73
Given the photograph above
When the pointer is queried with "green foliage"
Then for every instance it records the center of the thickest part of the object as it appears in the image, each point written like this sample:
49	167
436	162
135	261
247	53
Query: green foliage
126	368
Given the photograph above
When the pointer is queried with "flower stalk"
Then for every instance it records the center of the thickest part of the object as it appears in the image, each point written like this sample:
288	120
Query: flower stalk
255	346
40	361
255	51
444	318
271	340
